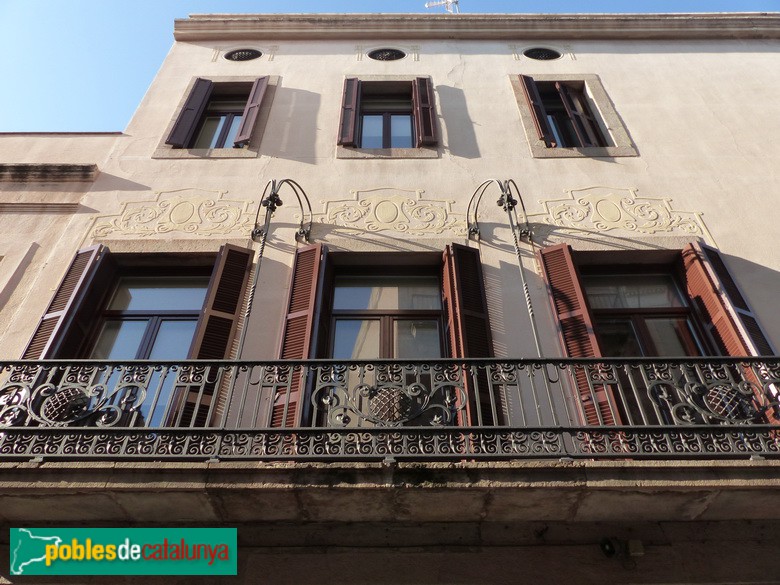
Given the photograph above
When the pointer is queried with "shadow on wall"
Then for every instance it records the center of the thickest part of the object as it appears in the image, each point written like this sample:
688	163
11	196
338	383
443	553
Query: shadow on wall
462	141
292	130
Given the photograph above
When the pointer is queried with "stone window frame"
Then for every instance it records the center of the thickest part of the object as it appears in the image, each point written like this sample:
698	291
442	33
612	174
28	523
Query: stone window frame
252	150
601	106
350	152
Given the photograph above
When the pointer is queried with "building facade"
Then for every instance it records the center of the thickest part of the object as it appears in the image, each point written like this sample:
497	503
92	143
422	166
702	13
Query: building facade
412	298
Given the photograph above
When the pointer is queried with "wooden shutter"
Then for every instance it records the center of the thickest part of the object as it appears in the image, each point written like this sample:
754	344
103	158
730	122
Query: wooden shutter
424	105
190	115
581	119
217	325
575	324
538	112
297	338
716	294
67	320
468	327
251	111
350	109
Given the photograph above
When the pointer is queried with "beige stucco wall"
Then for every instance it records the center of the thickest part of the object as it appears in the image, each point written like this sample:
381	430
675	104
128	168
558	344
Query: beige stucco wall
701	114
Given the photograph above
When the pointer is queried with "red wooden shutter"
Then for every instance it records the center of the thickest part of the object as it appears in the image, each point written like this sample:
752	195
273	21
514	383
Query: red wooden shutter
217	327
582	121
423	102
297	341
570	307
251	111
218	321
61	331
752	333
350	109
716	294
469	328
537	110
190	114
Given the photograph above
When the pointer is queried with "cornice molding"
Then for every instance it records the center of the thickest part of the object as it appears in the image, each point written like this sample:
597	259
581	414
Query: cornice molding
47	173
749	25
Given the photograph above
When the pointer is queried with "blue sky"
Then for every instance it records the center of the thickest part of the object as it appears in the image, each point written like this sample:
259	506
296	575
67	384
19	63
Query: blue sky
84	65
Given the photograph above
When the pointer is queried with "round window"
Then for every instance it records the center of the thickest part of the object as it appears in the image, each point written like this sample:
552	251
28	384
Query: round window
243	55
386	55
542	54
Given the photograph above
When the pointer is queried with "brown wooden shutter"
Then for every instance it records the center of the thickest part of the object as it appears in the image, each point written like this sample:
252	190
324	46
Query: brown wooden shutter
297	338
581	120
716	294
424	105
570	308
537	110
66	323
190	114
251	111
469	328
350	110
217	325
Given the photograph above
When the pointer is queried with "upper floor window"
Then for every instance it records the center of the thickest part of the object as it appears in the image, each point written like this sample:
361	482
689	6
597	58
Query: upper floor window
570	117
220	118
392	115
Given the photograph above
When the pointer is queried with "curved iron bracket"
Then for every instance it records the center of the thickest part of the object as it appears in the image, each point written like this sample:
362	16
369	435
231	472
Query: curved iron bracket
271	201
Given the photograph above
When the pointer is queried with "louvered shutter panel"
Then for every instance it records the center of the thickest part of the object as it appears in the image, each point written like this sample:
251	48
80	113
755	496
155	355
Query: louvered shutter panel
469	329
217	324
537	109
582	121
350	109
59	330
715	293
190	115
424	104
251	111
577	332
297	342
757	342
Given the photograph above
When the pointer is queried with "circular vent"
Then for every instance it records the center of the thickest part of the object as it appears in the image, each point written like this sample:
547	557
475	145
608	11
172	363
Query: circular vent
542	54
386	55
243	55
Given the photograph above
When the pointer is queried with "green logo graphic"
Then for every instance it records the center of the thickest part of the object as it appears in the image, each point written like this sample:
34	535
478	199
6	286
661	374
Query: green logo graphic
123	551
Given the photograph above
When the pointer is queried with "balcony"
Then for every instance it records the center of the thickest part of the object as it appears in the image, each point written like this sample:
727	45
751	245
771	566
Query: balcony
323	410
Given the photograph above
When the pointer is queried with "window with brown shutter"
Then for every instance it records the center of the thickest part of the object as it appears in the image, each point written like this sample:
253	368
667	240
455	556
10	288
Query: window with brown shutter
645	309
109	311
342	306
218	114
388	114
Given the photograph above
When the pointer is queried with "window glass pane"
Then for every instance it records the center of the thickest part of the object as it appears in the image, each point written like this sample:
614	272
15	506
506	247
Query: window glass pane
618	338
672	336
356	339
231	135
400	131
173	339
119	340
165	293
387	292
416	339
632	291
209	132
371	133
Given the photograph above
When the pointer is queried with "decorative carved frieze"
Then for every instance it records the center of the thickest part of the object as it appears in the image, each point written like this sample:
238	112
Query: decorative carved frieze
603	209
184	211
395	210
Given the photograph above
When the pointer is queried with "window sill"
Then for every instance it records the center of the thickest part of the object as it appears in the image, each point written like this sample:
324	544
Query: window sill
543	151
350	152
205	153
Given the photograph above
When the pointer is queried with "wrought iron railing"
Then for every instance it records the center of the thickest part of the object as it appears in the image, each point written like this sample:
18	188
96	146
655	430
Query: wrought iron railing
375	410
